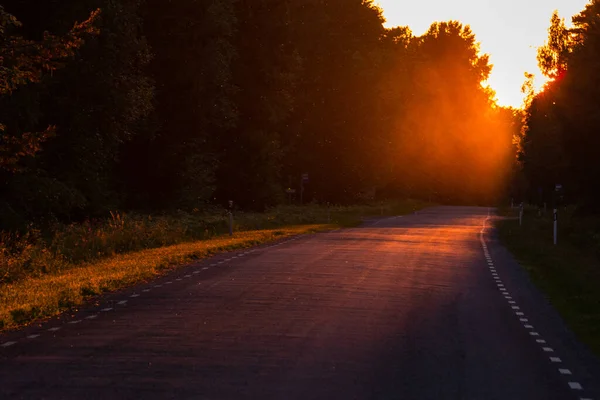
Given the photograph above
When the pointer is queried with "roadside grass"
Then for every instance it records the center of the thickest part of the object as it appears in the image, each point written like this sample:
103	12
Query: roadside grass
569	273
50	294
43	274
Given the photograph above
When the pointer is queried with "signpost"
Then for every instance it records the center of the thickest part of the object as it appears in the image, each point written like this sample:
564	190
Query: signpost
555	226
303	180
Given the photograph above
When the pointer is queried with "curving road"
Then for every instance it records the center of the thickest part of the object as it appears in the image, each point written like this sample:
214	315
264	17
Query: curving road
425	306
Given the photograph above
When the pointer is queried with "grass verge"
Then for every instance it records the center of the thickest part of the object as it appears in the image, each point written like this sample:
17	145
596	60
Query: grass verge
48	295
45	273
569	273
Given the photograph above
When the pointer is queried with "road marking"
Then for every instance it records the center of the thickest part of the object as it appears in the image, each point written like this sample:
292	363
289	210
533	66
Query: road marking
106	309
520	313
54	329
74	322
565	371
196	272
213	265
512	302
541	341
145	290
548	349
168	283
523	320
157	286
91	316
7	344
205	268
135	295
555	359
33	336
220	262
240	255
534	334
122	302
575	386
178	279
516	307
187	276
528	326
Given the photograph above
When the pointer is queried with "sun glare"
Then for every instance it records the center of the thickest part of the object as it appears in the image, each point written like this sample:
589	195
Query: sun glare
509	31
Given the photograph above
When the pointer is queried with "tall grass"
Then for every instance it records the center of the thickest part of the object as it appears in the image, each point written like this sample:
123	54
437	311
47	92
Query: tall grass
568	273
65	246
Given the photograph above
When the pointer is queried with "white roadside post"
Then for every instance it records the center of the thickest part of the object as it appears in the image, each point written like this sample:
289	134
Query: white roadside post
555	226
230	217
521	214
558	190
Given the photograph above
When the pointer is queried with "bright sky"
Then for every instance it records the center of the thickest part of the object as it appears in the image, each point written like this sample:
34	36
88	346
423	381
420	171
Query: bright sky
509	31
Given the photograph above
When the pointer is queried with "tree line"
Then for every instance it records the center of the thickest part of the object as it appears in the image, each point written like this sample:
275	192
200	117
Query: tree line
156	105
560	142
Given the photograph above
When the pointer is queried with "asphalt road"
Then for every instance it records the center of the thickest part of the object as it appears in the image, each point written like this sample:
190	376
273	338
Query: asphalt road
402	308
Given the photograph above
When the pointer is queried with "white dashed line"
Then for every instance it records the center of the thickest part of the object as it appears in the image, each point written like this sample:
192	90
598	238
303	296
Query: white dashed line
573	385
33	336
7	344
106	309
157	286
187	276
54	329
205	268
213	265
135	295
122	302
91	317
178	279
196	272
74	322
168	283
564	371
145	290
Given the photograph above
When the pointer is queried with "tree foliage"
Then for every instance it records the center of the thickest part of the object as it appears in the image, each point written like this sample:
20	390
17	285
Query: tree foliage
24	62
560	141
176	105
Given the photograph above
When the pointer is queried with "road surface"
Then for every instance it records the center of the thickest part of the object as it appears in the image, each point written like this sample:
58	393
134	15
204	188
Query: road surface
425	306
